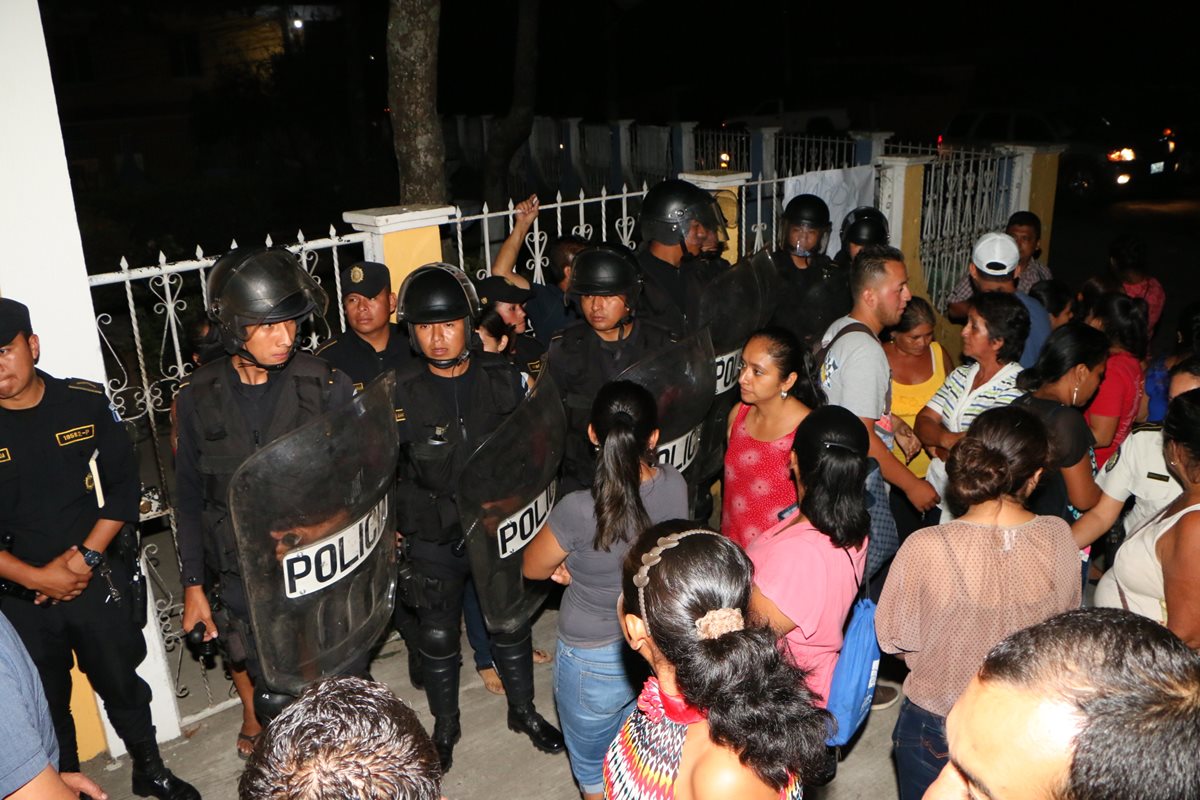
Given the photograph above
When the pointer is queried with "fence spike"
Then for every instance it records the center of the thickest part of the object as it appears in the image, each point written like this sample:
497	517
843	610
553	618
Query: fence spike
510	205
332	231
124	263
485	207
269	242
624	188
233	244
299	236
581	195
199	253
162	258
645	186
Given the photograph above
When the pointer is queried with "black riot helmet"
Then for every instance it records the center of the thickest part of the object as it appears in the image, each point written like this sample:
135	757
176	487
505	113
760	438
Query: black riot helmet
669	208
258	286
438	292
605	270
863	226
806	211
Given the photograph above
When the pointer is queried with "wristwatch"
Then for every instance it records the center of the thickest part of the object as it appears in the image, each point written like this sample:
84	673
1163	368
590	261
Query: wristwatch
90	557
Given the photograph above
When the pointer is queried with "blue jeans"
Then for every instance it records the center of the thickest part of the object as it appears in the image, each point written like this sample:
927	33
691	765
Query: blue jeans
594	695
919	747
477	632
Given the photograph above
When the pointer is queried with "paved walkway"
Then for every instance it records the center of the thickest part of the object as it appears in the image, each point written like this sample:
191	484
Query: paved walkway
490	761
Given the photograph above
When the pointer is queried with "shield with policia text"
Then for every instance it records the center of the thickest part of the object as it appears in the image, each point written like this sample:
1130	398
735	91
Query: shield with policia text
315	528
731	307
681	377
504	496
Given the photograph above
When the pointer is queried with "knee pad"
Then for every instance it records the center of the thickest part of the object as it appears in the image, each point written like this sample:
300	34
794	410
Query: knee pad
440	642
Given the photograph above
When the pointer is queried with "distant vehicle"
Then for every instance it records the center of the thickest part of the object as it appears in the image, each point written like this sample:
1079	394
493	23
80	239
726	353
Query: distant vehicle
1101	157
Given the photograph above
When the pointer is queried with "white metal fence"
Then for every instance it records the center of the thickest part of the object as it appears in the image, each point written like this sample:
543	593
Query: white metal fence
721	148
143	315
796	154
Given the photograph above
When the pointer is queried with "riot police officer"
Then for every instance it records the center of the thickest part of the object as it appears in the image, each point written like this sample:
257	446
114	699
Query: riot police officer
863	226
676	221
589	354
68	485
444	412
509	299
374	344
813	290
231	407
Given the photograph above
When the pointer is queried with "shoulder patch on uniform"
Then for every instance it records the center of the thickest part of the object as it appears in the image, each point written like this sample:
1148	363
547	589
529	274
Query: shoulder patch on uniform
85	386
324	345
73	435
1138	427
5	455
1111	464
400	417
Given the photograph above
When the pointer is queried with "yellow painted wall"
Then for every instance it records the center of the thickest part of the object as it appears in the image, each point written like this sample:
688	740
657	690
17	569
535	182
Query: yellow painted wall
1043	187
404	251
88	728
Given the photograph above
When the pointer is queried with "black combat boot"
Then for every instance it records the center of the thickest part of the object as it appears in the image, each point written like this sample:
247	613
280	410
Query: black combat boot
151	778
441	689
514	662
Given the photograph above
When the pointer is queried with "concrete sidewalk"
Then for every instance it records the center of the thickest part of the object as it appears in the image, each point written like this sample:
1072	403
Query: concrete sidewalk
490	761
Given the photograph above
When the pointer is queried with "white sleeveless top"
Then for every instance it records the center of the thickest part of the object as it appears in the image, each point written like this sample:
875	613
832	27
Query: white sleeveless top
1137	572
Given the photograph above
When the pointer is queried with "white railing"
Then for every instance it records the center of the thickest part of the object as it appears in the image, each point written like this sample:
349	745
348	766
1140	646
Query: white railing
966	194
796	154
606	217
141	323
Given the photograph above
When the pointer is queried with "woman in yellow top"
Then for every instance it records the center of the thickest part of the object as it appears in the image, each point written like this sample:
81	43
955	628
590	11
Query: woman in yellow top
919	367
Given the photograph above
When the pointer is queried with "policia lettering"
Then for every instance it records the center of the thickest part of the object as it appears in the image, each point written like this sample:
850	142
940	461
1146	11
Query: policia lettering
322	564
447	409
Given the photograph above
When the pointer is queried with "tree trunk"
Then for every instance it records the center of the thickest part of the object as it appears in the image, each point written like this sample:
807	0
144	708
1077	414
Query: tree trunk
412	53
513	130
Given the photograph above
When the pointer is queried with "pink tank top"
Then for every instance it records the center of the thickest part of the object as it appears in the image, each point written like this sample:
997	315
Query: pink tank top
758	482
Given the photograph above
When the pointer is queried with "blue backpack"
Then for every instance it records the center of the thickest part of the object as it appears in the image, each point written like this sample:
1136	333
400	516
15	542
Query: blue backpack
853	686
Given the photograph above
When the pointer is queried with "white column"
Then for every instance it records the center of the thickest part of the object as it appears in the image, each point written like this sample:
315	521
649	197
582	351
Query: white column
892	181
1021	178
42	263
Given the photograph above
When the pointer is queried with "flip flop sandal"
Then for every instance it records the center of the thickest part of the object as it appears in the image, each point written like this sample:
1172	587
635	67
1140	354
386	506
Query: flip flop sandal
245	737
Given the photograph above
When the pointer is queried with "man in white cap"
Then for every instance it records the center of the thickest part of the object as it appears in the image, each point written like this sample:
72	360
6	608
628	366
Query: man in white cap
993	268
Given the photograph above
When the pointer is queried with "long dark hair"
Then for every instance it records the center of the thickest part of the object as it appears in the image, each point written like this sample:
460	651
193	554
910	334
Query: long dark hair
491	321
1072	344
831	451
789	356
1125	321
624	416
756	700
1182	423
1002	450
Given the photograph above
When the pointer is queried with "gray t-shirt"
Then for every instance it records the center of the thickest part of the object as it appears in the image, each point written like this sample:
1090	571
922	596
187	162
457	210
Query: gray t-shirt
25	727
856	376
588	614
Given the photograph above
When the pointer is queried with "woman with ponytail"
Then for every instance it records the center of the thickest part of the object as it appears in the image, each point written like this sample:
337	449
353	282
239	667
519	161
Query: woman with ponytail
726	714
1066	375
583	545
809	566
955	590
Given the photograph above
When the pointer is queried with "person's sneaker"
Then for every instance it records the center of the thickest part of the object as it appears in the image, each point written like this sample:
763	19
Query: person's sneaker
886	696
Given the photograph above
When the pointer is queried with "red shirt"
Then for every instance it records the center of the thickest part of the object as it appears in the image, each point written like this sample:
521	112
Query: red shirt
1120	396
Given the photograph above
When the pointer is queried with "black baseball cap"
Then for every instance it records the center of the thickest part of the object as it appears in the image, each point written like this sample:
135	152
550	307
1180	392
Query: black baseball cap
14	319
367	278
498	289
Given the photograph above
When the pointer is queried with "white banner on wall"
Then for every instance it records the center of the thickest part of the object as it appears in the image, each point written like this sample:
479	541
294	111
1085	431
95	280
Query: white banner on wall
843	190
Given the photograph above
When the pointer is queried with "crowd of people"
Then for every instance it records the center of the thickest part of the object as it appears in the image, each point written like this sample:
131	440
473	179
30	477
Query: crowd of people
975	504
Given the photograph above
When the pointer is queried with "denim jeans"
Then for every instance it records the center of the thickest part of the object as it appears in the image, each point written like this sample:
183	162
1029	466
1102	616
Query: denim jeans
919	747
594	694
477	632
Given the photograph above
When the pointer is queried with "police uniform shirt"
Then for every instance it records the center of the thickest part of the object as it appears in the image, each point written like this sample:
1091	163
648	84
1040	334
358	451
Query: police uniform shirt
529	355
354	355
809	300
1138	468
48	499
671	295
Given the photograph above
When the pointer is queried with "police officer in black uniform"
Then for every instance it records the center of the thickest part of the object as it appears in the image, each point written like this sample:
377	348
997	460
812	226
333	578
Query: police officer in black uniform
374	344
231	407
676	221
509	299
68	484
813	290
444	412
591	353
863	226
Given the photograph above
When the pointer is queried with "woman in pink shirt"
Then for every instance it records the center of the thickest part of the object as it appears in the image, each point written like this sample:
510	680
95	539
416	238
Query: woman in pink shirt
808	567
1127	255
1115	407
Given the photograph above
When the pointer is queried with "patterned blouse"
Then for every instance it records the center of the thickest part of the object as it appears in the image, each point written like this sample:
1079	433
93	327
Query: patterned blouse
643	761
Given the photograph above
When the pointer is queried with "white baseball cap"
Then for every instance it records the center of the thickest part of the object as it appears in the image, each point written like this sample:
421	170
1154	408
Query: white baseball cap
995	254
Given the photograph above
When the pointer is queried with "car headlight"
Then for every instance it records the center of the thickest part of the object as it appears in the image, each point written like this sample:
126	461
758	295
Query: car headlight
1124	154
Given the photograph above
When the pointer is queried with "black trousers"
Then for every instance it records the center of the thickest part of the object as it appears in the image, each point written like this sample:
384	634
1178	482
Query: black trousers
109	648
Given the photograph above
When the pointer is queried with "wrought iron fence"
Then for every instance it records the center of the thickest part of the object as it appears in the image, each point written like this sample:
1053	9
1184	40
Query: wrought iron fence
143	314
720	148
653	159
796	154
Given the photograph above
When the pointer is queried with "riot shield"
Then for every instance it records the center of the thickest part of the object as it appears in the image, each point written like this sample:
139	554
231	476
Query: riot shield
681	377
315	530
767	277
504	496
732	308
